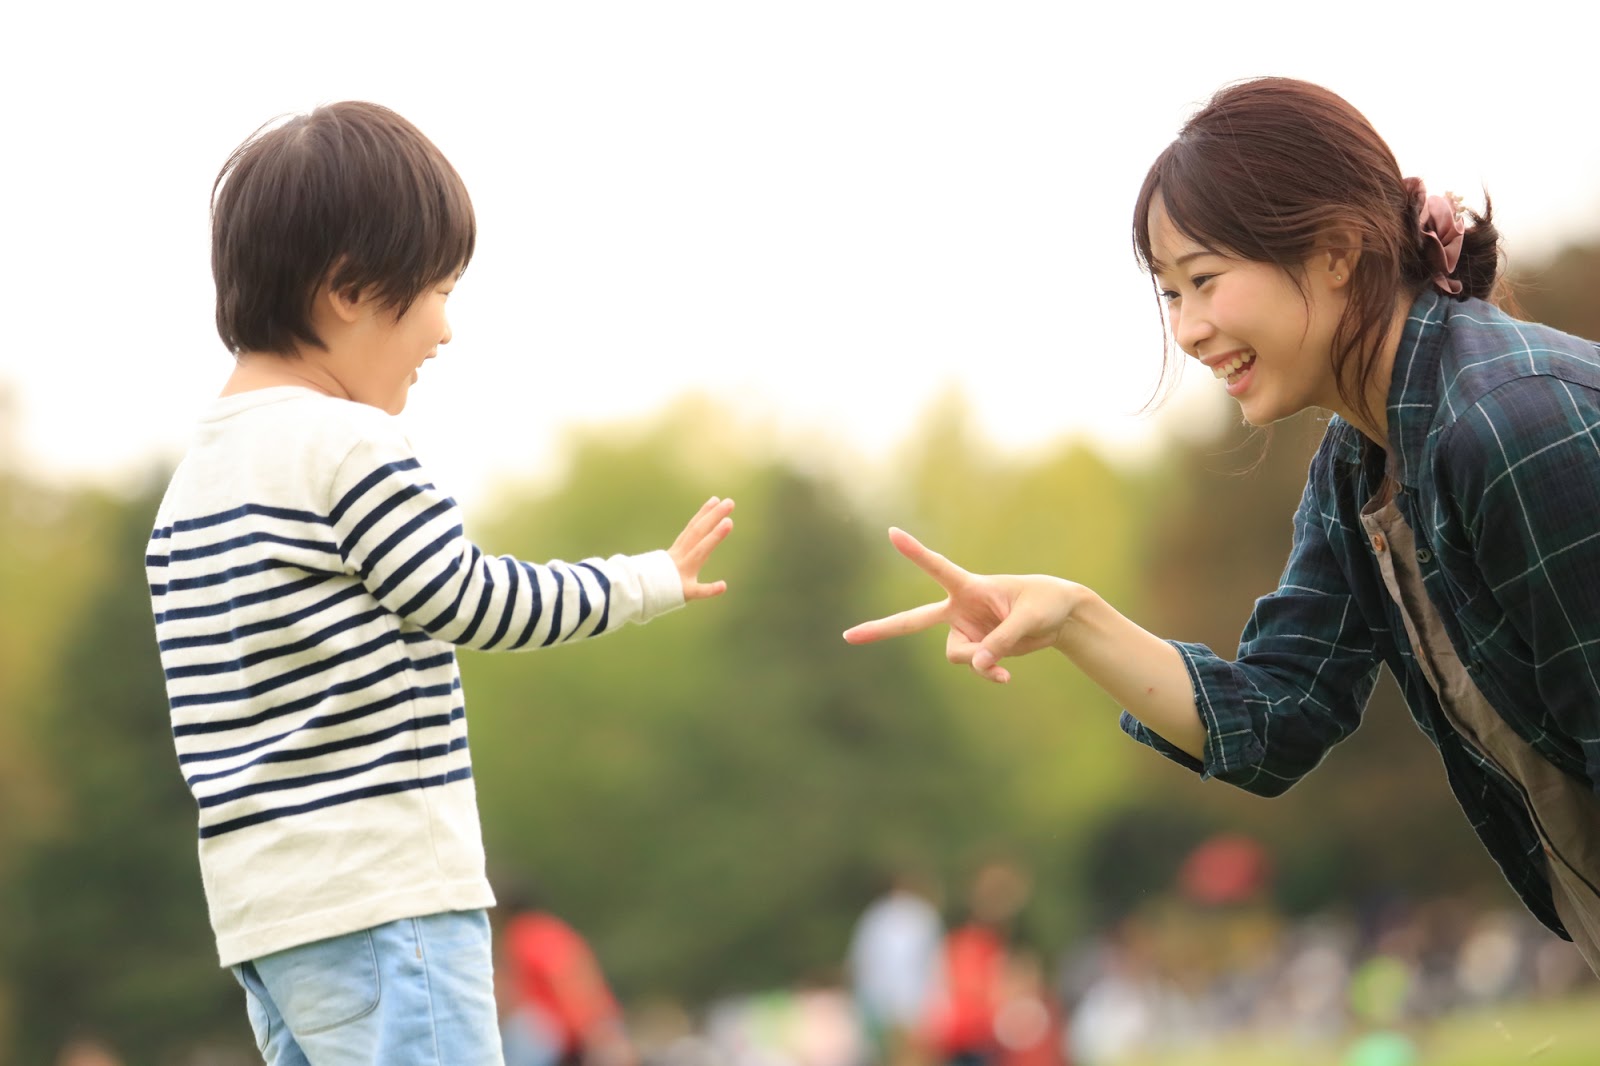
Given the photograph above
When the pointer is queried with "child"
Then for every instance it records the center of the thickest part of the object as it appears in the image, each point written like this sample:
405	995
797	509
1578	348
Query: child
1450	526
309	585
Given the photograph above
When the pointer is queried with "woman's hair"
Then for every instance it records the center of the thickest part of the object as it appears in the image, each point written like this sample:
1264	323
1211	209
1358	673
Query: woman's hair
1268	169
352	195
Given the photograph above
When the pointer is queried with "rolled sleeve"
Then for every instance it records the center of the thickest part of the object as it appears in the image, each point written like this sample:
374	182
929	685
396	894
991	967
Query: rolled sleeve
1307	664
1231	740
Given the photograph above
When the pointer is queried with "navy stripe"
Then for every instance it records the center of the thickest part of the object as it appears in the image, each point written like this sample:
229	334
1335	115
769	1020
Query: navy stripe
509	608
432	588
555	609
583	602
222	725
261	688
247	600
230	666
367	482
405	755
426	553
537	592
205	521
246	540
483	606
605	597
281	622
370	792
297	754
182	584
448	615
396	538
322	722
375	515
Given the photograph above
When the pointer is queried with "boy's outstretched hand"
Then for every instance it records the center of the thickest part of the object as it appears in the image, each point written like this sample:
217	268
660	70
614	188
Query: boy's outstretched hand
709	527
991	616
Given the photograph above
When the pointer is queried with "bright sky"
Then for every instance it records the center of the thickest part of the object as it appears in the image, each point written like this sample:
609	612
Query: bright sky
823	213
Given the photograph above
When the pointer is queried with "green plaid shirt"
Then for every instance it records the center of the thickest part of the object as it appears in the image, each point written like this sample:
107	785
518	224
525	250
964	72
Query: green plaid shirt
1495	431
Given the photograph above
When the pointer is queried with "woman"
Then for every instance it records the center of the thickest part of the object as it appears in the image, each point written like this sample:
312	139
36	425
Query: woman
1450	525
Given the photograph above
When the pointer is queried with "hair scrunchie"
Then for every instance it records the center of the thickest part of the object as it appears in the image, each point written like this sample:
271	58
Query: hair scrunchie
1439	227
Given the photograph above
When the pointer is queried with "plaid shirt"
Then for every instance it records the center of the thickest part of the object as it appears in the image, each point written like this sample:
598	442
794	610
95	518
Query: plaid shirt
1495	438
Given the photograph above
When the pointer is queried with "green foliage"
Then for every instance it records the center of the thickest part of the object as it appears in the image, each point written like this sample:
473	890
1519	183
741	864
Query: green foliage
714	797
114	938
682	791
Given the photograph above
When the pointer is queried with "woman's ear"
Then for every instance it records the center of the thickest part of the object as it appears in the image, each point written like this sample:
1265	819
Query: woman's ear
1341	249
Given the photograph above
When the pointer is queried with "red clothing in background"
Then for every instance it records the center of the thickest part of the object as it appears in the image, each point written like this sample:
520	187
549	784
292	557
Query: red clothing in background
553	970
962	1019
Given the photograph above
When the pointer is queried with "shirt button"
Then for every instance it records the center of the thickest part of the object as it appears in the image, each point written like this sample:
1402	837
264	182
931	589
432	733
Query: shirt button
1424	555
1378	544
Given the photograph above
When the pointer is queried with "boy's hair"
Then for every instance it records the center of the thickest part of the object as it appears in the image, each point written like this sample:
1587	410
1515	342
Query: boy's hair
350	194
1268	168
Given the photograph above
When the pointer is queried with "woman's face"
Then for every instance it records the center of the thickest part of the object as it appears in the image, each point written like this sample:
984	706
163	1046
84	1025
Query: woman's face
1268	341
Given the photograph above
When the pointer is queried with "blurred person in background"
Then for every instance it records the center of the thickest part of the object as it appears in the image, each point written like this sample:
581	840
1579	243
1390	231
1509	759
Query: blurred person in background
961	1021
1448	526
556	1003
893	964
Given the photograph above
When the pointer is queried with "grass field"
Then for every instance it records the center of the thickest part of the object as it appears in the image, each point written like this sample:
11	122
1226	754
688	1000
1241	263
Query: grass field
1561	1033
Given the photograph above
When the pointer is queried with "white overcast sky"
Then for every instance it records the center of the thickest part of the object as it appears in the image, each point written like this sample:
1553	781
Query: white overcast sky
824	214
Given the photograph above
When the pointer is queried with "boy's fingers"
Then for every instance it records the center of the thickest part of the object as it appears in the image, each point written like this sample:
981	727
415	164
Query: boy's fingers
711	512
702	549
715	509
698	591
898	625
931	562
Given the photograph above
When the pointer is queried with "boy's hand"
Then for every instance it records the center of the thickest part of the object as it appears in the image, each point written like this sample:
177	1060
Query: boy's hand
991	616
708	528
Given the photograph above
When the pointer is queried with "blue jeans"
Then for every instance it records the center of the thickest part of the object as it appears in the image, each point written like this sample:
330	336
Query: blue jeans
417	992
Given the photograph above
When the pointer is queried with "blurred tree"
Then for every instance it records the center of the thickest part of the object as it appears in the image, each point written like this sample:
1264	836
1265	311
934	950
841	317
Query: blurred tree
1063	510
1561	292
712	798
113	935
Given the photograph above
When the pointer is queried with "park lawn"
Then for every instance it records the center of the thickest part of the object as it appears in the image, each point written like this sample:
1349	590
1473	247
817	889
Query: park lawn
1553	1033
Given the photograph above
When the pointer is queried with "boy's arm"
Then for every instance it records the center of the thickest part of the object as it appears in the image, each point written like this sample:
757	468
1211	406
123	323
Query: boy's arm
404	539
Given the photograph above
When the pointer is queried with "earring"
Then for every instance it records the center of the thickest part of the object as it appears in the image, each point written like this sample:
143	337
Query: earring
1338	277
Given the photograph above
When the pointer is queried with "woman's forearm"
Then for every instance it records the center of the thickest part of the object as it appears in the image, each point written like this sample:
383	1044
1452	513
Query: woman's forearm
1139	670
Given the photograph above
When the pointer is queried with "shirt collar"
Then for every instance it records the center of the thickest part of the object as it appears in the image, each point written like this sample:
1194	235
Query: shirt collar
1413	389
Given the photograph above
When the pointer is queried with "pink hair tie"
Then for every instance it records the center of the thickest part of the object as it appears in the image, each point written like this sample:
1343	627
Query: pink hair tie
1439	223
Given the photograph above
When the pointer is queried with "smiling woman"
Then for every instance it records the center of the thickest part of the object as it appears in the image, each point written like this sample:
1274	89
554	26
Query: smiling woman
1447	524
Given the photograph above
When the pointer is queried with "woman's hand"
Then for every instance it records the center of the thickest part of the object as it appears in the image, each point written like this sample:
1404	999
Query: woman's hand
991	616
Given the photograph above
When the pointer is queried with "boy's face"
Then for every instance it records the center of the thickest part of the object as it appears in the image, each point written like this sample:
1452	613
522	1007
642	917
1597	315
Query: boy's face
380	364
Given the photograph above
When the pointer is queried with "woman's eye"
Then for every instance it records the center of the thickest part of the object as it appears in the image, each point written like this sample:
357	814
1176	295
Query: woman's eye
1168	295
1199	280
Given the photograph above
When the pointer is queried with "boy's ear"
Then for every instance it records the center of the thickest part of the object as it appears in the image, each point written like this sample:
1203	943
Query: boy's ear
344	303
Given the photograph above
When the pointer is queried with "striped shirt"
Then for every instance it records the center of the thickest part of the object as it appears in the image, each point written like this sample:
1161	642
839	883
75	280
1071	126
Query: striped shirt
309	586
1494	429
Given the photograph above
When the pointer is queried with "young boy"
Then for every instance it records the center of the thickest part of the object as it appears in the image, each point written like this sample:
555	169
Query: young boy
309	585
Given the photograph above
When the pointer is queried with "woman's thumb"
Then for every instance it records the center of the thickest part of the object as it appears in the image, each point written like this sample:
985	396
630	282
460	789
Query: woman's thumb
1000	642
